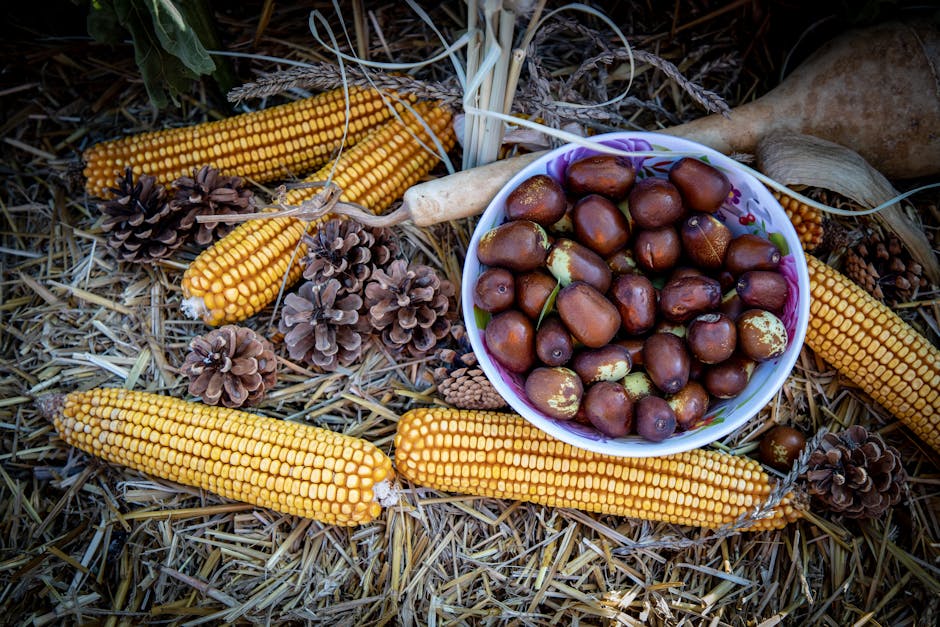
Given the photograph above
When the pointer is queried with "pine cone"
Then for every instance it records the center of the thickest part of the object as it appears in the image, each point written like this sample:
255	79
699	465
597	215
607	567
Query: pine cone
410	305
855	473
141	224
462	384
230	365
348	251
320	328
885	269
208	193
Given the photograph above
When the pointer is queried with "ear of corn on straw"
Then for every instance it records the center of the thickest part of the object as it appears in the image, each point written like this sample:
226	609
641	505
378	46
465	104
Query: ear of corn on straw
242	273
264	145
805	219
501	455
875	349
288	467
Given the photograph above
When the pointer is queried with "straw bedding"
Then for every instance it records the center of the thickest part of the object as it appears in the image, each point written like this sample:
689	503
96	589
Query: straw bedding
85	542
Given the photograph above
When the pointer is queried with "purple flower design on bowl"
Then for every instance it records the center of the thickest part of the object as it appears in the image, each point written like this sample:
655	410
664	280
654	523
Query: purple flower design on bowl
791	307
556	167
734	196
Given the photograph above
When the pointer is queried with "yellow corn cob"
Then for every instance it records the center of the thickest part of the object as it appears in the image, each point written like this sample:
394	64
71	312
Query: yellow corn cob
806	220
501	455
263	145
243	272
875	349
288	467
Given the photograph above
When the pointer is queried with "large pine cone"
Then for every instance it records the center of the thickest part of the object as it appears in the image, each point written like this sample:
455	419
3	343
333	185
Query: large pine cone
347	251
319	326
410	305
141	225
231	365
855	473
209	193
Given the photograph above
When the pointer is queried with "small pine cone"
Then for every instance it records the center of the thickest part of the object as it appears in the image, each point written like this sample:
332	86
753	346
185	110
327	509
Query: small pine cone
464	385
141	225
885	269
319	325
410	305
855	473
209	193
863	273
231	365
347	251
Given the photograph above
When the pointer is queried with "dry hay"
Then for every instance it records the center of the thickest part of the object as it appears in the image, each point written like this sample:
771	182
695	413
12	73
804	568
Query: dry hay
86	542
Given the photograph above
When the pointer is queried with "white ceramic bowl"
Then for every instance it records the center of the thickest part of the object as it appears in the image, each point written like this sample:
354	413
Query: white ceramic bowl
750	208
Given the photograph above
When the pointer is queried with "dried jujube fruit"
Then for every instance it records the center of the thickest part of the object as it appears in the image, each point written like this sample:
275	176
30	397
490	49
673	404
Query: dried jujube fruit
609	175
703	187
539	198
689	404
657	250
607	363
761	334
729	378
600	225
587	314
570	261
636	301
532	292
510	337
609	408
751	252
553	343
495	290
712	337
655	419
667	361
781	447
655	203
520	245
764	289
683	299
705	240
638	385
556	392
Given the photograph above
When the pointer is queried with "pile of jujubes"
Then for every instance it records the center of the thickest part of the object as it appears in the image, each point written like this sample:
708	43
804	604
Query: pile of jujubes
627	304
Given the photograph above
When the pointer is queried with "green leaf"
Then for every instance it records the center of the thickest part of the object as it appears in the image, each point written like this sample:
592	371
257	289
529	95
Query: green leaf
778	240
482	318
549	304
103	25
178	38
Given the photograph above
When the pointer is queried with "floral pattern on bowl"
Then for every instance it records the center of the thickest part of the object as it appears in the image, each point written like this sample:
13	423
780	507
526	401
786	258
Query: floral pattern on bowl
750	208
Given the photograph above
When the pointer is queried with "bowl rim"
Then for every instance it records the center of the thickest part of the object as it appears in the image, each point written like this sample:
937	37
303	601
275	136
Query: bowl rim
639	447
